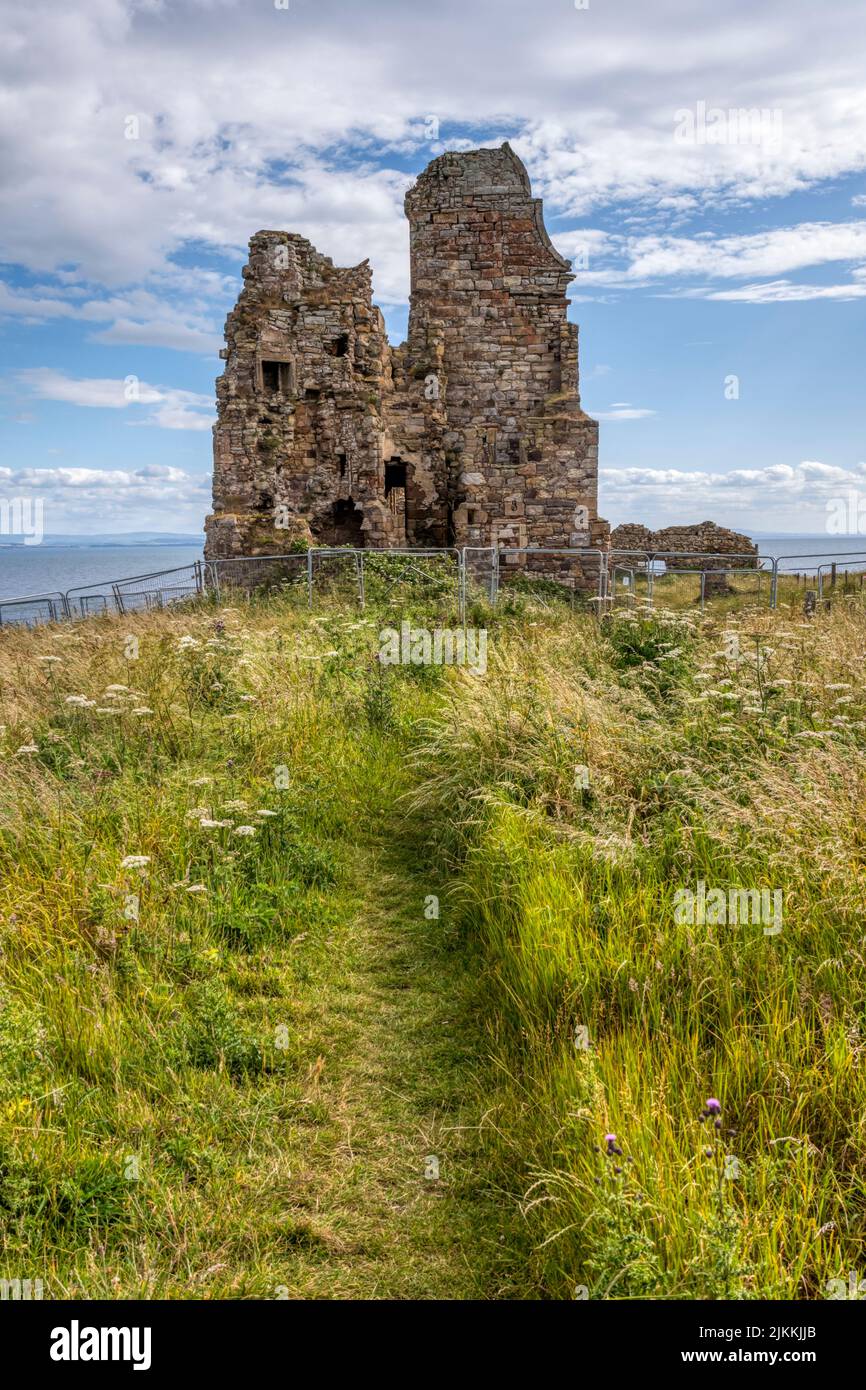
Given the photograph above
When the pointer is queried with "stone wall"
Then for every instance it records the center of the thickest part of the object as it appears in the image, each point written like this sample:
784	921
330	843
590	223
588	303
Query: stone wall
470	433
706	538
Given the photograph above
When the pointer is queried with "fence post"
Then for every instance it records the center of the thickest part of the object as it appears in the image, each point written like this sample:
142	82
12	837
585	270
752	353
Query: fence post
359	564
309	578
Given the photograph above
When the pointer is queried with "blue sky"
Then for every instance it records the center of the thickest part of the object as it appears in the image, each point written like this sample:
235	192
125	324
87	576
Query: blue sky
720	261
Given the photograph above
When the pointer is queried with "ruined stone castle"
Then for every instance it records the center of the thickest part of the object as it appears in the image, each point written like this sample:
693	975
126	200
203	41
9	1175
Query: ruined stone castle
470	433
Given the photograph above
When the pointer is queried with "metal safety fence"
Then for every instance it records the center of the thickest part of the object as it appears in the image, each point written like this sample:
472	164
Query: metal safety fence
601	580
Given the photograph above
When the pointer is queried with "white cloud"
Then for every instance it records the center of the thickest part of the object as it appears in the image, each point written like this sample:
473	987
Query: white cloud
784	292
622	410
251	117
622	261
139	318
796	496
91	500
174	409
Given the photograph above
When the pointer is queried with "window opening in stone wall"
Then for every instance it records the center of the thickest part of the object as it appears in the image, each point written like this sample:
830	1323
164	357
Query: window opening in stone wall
276	376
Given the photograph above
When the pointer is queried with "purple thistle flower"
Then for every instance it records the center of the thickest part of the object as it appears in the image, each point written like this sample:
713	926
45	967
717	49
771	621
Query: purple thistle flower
713	1106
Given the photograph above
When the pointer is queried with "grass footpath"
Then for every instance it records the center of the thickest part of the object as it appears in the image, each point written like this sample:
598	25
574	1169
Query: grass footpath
400	1041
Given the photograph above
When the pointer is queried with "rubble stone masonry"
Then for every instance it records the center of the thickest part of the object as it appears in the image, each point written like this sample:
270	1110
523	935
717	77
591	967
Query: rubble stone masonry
706	538
470	433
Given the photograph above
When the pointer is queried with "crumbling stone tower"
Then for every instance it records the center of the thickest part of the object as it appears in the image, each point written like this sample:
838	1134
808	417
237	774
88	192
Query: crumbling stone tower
470	433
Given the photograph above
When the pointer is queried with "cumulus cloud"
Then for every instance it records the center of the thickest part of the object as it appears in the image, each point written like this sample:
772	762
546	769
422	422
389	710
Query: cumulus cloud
305	118
108	499
797	496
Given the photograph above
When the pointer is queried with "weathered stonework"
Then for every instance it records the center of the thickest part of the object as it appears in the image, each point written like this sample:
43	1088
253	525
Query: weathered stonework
704	539
470	433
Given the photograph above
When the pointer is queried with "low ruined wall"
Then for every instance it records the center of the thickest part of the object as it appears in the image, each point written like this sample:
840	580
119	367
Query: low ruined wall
706	538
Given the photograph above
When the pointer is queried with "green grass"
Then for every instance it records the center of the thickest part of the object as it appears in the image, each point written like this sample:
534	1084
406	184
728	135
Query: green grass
744	772
223	1070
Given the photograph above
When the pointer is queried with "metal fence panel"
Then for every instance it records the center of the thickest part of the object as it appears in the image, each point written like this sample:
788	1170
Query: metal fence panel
158	590
257	574
32	609
580	571
431	573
